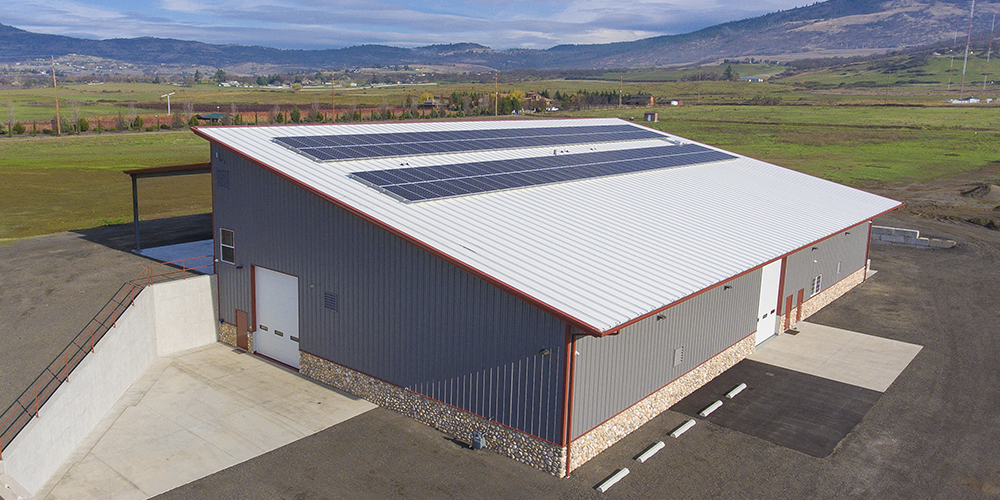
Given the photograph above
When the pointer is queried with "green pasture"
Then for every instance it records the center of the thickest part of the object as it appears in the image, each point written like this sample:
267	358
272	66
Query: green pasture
58	183
846	144
54	184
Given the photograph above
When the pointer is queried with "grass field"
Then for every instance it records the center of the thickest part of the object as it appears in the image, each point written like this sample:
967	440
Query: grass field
57	183
54	184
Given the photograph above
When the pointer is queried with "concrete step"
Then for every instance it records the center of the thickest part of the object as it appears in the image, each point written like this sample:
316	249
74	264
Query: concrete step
10	489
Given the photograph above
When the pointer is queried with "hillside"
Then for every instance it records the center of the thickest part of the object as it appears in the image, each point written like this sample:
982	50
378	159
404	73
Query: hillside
841	27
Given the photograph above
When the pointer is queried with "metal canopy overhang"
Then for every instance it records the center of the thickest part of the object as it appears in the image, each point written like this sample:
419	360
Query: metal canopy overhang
168	171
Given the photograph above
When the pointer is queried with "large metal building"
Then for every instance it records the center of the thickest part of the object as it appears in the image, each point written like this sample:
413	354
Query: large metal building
551	284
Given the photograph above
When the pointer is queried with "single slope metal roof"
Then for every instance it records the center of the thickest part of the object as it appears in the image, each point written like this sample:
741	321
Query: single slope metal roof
598	252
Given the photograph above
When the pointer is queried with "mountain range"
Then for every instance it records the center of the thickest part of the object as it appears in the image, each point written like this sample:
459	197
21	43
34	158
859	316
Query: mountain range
834	27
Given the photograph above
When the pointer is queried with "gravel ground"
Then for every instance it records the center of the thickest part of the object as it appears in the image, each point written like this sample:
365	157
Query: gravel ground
932	434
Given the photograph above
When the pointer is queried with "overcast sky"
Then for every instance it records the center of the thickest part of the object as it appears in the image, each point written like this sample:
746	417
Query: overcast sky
315	24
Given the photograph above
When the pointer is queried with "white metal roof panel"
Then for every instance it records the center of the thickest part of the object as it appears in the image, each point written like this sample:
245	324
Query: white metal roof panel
602	250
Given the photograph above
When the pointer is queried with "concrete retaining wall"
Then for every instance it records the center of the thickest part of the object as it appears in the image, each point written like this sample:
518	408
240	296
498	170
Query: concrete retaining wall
909	237
163	319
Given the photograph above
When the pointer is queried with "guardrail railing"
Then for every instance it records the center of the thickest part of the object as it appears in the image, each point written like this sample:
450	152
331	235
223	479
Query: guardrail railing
30	402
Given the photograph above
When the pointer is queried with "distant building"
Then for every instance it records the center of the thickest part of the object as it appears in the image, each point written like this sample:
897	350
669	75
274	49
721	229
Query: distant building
651	116
640	100
210	117
754	79
432	103
534	100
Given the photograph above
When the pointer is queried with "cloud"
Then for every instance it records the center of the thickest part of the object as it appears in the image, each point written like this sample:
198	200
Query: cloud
311	24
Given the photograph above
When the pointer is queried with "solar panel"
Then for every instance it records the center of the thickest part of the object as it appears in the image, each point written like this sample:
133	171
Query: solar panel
349	147
427	183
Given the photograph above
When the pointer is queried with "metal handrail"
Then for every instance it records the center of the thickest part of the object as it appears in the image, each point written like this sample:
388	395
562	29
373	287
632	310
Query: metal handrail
27	405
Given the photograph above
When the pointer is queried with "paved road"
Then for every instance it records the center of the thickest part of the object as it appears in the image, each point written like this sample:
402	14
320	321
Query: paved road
932	434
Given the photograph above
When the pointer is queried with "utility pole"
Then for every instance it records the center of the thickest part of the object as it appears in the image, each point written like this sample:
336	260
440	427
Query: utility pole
56	91
621	86
496	92
333	96
989	51
961	92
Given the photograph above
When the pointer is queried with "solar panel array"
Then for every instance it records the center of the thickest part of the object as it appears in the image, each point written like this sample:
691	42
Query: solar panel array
428	183
359	146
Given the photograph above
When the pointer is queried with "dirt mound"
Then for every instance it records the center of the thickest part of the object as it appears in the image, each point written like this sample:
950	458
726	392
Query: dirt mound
984	192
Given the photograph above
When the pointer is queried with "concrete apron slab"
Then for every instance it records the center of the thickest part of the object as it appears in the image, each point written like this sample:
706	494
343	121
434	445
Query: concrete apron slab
841	355
173	253
191	415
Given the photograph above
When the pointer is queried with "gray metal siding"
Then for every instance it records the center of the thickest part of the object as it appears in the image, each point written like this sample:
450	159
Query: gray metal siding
848	248
403	315
615	372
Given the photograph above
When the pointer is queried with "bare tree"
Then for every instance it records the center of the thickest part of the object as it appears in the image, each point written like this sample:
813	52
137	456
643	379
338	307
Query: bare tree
131	112
10	116
273	116
314	112
384	109
188	109
76	116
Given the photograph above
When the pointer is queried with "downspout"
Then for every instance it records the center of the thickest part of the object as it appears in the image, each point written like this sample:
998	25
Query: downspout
568	385
868	250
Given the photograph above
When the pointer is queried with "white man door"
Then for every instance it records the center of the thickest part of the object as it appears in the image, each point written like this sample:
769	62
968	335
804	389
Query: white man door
277	313
767	319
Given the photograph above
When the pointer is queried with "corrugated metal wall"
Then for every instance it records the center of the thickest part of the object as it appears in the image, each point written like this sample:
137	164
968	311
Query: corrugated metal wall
615	372
847	248
402	315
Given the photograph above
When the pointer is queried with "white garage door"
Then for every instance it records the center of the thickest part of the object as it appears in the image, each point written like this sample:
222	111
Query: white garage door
277	310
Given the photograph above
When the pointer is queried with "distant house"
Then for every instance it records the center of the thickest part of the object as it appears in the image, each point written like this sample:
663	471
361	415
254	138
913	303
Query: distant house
754	79
651	116
969	100
640	100
432	103
534	100
212	117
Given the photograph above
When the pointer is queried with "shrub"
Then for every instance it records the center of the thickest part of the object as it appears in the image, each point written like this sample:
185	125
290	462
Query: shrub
82	125
18	128
137	123
193	121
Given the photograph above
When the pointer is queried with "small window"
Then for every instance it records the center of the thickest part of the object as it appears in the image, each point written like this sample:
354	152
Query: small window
227	246
817	284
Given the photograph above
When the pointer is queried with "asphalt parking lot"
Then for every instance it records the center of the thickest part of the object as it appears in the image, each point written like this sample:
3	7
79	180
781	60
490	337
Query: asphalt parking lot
932	434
